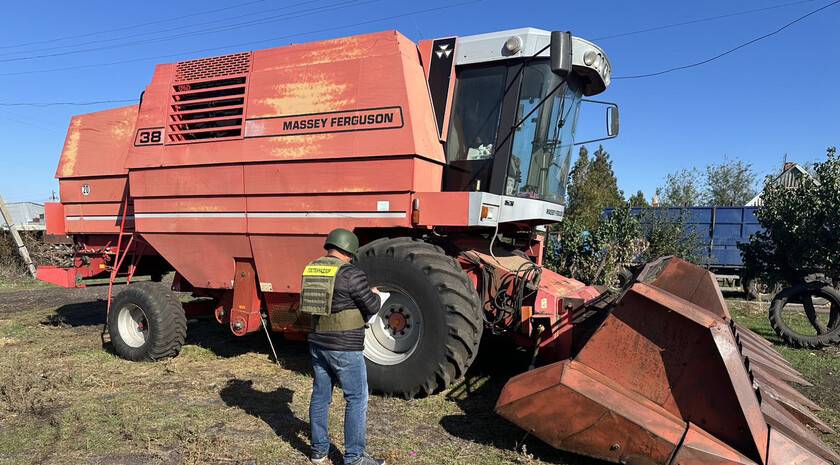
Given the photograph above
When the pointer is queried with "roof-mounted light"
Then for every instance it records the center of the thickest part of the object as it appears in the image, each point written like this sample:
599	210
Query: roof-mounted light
513	45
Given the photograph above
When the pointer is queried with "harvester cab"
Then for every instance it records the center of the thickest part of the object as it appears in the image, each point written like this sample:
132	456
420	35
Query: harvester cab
512	120
444	157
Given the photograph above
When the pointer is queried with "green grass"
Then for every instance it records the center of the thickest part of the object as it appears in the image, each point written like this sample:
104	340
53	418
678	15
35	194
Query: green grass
222	401
820	367
13	329
26	439
22	284
197	353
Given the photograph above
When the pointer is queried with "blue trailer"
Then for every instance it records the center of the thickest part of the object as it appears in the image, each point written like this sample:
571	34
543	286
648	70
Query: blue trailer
721	228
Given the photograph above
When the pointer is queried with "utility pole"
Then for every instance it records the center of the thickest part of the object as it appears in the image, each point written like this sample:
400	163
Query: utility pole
24	253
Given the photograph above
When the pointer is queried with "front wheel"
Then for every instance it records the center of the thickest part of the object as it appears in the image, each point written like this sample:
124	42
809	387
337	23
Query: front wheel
147	322
427	333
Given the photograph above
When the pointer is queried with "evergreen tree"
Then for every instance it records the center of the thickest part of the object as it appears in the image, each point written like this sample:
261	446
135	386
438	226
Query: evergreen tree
576	176
638	200
593	187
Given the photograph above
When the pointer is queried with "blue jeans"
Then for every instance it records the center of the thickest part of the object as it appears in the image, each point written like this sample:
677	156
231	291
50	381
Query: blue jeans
347	369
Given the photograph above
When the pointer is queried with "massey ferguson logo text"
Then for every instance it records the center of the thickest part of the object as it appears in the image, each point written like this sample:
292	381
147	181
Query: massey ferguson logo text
341	121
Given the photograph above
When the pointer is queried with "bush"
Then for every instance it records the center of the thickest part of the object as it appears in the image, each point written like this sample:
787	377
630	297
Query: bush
801	235
619	240
11	266
668	233
597	256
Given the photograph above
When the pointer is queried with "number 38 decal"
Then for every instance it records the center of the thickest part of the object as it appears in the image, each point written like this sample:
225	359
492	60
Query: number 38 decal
149	136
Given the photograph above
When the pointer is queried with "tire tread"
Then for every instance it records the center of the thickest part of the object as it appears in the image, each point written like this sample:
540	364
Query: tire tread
458	297
164	310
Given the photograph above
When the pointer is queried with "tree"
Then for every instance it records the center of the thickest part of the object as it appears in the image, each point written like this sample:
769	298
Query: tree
681	189
801	224
593	186
638	200
576	177
731	182
667	232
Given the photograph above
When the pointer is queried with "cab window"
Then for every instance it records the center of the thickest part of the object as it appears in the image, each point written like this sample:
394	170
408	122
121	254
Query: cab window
473	126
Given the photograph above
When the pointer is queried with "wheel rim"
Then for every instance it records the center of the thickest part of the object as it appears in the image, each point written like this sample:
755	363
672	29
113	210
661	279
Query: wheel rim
392	334
133	325
763	289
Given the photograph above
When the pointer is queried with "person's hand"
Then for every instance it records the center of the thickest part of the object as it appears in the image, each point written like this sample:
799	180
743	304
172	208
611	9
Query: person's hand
374	290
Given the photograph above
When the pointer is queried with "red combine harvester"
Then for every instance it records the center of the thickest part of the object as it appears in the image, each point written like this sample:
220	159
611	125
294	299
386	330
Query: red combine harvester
446	157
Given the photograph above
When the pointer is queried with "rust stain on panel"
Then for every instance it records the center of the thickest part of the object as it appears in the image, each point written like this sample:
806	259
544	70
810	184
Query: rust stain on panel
67	162
314	93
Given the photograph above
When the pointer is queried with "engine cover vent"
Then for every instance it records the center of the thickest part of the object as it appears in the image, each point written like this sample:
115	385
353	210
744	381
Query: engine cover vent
200	111
206	68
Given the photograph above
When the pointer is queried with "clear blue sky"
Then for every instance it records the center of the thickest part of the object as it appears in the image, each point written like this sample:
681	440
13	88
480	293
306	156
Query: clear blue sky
777	96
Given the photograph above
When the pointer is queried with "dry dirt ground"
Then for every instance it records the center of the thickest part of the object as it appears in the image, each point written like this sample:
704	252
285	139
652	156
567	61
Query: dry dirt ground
65	398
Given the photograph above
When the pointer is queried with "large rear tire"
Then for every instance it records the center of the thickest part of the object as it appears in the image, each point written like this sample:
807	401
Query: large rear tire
147	322
800	321
427	333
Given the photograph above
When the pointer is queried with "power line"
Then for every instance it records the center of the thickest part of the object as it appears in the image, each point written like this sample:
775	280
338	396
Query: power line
658	73
275	39
283	17
702	20
180	27
130	27
53	104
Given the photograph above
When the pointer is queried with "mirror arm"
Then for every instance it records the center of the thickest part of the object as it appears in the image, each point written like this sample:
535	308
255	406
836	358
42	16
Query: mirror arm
609	123
595	140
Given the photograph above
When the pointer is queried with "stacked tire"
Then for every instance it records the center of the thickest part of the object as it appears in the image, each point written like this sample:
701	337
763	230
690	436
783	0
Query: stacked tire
816	325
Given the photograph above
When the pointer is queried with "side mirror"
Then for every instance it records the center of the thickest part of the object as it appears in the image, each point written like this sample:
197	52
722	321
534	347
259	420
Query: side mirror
561	53
612	120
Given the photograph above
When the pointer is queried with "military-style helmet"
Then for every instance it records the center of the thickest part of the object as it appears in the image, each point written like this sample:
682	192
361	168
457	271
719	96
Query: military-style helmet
343	239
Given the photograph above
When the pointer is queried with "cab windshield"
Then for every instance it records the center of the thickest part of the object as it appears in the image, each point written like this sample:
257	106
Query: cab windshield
542	143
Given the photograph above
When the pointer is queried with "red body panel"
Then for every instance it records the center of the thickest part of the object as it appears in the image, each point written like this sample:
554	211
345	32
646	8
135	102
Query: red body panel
337	133
92	173
54	216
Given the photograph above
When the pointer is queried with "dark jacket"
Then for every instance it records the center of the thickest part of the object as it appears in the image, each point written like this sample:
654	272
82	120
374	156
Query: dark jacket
351	293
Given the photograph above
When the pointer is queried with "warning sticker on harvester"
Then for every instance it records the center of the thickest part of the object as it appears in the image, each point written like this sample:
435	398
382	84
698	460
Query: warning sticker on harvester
320	270
317	123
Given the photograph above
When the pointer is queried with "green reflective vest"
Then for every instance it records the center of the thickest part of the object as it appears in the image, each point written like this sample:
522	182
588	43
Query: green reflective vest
316	293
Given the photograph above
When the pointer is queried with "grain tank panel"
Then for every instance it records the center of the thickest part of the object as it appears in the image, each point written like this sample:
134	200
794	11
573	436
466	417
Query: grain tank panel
281	144
91	171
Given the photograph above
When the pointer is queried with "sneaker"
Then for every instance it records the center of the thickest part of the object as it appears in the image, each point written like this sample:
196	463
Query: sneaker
366	459
317	457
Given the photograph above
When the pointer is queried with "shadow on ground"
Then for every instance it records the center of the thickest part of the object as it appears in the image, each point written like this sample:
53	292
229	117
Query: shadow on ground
79	314
270	407
476	394
204	332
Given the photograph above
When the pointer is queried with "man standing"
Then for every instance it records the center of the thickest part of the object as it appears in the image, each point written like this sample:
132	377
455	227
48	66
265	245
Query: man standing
337	295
